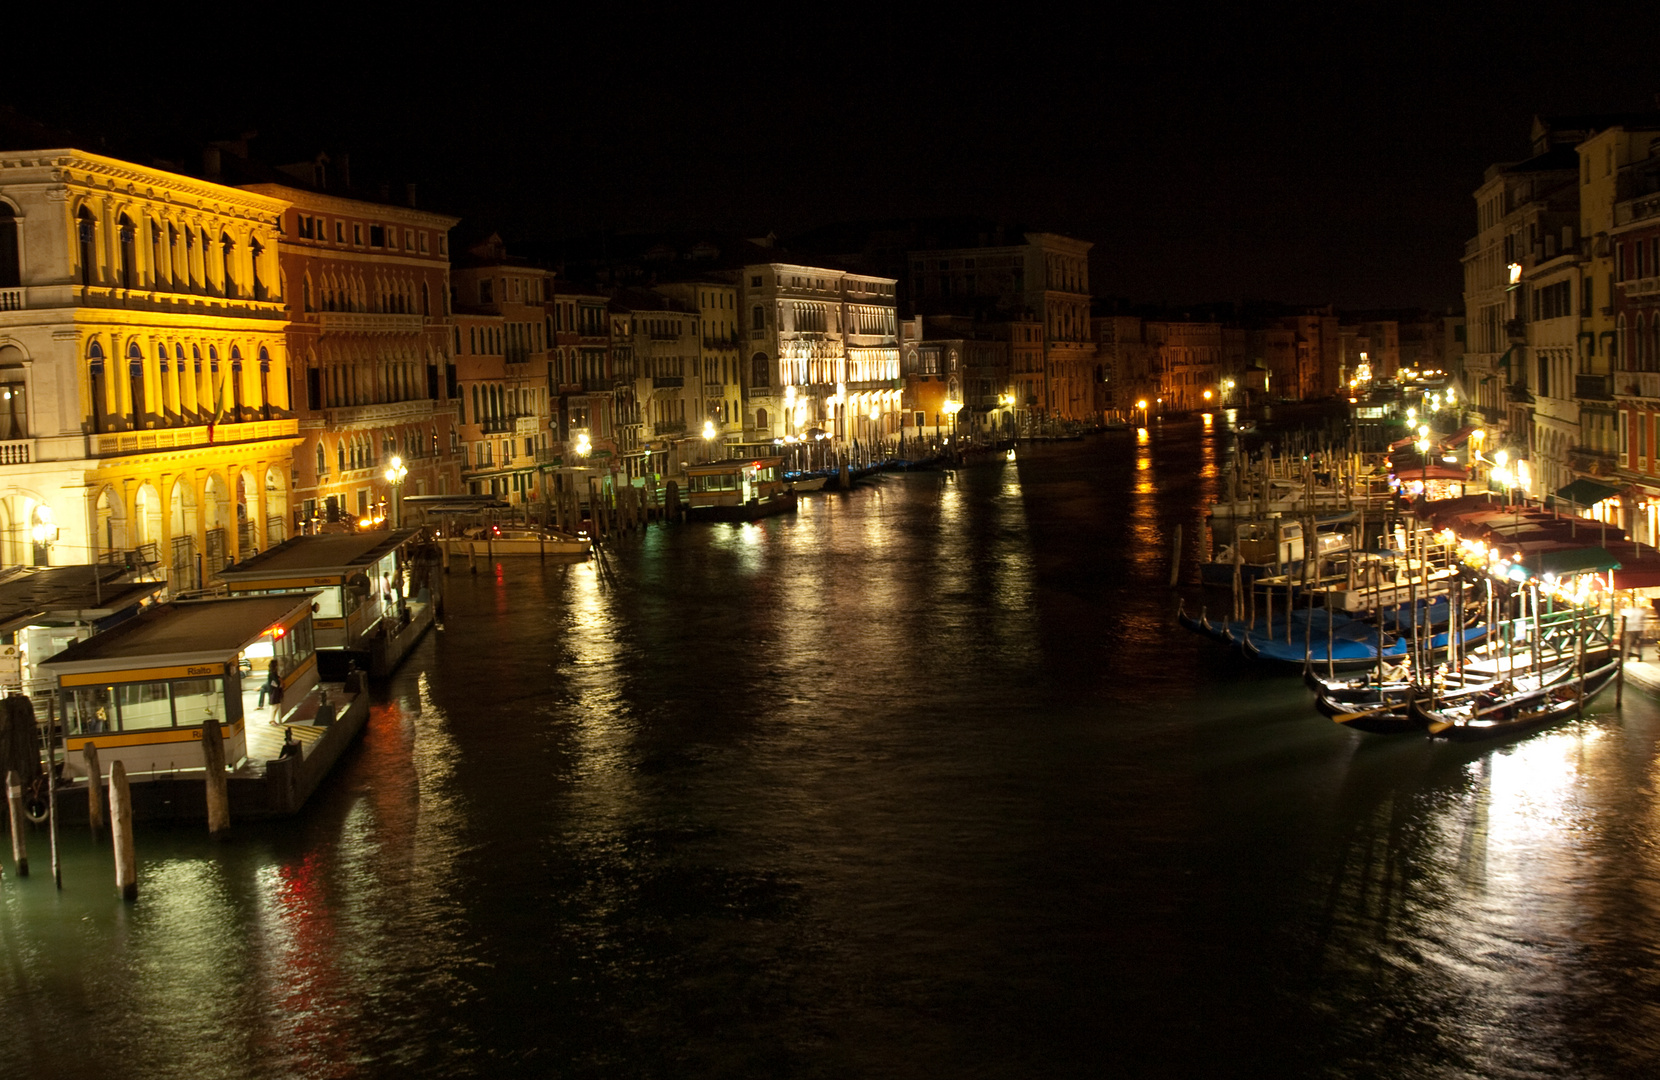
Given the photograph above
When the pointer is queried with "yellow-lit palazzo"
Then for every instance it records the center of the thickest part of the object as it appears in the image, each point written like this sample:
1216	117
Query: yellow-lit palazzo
149	324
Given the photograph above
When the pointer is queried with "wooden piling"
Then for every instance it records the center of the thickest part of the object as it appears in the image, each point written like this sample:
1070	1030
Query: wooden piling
1176	556
94	786
218	789
20	839
121	833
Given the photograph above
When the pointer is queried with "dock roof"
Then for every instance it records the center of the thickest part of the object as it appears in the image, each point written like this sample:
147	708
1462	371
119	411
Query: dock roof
34	594
181	632
336	553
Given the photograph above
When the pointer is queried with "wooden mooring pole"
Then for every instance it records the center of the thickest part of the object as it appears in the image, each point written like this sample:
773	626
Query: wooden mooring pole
121	832
94	786
1176	556
218	789
20	839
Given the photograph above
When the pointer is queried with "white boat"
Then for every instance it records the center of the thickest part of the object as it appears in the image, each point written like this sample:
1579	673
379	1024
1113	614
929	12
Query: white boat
811	483
518	540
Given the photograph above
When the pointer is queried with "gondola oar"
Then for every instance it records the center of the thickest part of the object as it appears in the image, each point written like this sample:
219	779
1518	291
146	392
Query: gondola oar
1344	718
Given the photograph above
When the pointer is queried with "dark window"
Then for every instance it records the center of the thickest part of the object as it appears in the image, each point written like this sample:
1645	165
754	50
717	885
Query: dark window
377	236
129	252
88	233
10	264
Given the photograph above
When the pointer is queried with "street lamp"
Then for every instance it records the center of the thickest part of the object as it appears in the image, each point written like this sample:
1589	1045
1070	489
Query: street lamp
395	472
44	532
1142	405
708	440
1423	457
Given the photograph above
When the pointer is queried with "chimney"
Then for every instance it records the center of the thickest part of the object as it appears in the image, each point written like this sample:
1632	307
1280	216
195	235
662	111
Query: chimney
210	162
409	194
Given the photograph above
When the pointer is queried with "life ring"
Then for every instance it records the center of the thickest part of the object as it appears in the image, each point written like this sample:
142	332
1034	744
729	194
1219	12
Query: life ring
35	809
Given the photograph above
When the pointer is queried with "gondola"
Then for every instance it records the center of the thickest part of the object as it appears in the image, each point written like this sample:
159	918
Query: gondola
1528	706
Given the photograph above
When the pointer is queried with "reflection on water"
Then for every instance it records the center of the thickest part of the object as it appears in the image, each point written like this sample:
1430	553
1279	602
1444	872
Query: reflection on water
919	781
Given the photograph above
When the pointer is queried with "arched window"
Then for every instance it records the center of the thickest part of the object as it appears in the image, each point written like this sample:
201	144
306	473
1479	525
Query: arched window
156	261
86	230
340	455
178	381
760	420
227	253
254	252
11	263
164	406
100	400
1618	350
129	253
236	384
213	400
322	460
135	385
761	371
305	296
264	383
14	411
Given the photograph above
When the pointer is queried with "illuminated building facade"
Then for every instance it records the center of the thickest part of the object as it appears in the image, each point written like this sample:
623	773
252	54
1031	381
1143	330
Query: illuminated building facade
663	342
501	307
719	366
596	417
1634	285
367	295
144	375
823	347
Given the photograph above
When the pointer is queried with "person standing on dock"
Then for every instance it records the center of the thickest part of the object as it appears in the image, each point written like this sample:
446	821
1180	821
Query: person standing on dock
272	689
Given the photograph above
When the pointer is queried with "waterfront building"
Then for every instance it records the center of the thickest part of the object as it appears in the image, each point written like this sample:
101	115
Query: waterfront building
719	365
1046	277
1515	203
501	304
1633	243
373	348
144	368
595	416
664	342
823	346
1129	365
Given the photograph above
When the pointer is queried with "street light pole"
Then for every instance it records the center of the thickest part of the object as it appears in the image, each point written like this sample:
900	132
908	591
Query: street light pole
395	472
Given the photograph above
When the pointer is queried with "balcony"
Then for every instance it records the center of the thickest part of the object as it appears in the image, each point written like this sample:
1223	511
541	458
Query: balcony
368	322
668	382
1516	330
391	412
12	299
17	451
527	425
1637	384
669	427
133	442
1594	387
1633	287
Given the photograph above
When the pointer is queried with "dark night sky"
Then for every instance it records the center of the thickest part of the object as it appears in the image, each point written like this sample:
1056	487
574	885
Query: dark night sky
1209	158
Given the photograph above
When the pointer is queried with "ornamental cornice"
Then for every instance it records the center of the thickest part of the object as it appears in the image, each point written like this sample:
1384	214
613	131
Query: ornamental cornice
103	175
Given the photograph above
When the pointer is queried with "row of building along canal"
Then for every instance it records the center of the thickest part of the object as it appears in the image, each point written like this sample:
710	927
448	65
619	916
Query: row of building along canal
923	777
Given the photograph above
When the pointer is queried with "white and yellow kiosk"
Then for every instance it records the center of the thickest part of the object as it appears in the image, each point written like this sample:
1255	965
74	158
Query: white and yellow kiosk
142	690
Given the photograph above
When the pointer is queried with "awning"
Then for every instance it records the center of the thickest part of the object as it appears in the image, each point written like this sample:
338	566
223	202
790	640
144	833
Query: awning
1584	492
1565	562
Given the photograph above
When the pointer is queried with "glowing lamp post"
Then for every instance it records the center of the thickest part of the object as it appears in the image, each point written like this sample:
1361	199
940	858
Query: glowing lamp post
1423	457
708	440
395	472
44	532
1142	405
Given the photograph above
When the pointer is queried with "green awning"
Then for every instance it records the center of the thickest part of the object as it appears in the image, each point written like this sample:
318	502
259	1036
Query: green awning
1570	561
1584	492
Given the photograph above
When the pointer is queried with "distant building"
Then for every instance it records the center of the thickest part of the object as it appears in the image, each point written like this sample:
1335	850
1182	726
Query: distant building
1044	279
504	299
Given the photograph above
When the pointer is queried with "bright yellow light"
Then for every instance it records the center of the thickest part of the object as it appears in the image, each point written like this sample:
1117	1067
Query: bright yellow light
1142	404
708	429
1502	458
1207	395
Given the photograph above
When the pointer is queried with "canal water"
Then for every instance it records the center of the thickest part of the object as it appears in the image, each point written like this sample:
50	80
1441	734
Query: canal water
919	782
